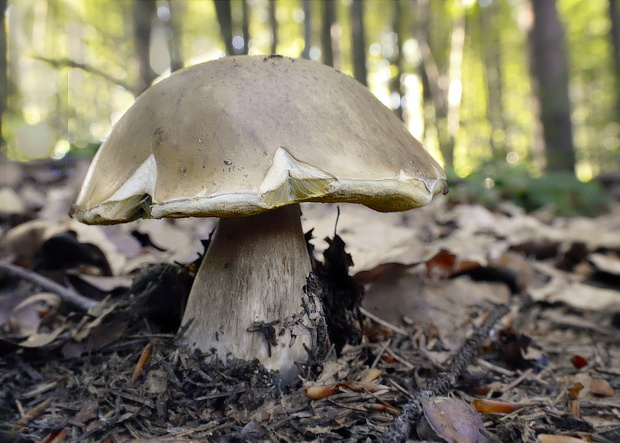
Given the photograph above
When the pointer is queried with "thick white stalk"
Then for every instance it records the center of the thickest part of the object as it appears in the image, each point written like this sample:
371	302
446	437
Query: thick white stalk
252	275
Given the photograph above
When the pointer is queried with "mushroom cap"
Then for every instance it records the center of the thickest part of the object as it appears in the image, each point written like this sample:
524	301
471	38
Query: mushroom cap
242	135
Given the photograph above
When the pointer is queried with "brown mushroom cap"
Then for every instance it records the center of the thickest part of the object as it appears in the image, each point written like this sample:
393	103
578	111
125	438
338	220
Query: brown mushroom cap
242	135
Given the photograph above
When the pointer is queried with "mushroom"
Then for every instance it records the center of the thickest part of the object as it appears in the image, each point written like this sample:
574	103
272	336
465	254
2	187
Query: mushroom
246	139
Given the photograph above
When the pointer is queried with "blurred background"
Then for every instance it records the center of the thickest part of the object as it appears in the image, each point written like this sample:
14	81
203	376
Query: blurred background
487	85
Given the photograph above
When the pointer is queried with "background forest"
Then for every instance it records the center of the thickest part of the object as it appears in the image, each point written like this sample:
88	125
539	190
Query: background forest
534	84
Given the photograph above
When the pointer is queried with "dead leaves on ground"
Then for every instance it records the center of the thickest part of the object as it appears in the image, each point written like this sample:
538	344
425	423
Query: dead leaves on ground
549	372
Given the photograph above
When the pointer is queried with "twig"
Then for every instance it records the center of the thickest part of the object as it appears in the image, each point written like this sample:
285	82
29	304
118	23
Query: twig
28	417
382	322
401	427
380	354
45	283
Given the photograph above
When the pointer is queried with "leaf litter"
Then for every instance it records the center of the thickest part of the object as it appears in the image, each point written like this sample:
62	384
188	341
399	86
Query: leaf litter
408	296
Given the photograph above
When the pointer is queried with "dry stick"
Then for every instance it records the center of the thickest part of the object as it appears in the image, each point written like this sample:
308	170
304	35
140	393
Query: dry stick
45	283
401	427
28	417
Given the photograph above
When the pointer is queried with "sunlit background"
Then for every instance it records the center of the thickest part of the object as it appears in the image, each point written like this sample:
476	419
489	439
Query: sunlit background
73	69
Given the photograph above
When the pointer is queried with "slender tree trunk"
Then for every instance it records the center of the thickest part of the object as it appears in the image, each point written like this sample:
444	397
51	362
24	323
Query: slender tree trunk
176	37
358	37
329	19
549	73
273	21
444	85
307	5
455	88
489	41
397	59
4	82
428	72
245	27
614	15
224	18
143	12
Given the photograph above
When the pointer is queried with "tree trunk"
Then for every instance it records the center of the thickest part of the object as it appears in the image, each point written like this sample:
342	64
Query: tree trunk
245	27
329	18
614	15
441	83
397	59
455	88
143	12
428	72
224	18
490	43
176	35
4	83
358	37
549	73
273	21
307	5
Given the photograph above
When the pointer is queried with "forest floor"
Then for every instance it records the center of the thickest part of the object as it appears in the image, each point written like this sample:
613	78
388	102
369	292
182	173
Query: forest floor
106	367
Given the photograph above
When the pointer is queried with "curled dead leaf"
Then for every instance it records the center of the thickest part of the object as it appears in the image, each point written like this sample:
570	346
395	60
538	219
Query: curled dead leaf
485	406
370	375
383	407
318	392
548	438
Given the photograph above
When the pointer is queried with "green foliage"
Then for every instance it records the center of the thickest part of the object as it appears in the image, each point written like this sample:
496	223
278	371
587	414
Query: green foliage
73	67
561	191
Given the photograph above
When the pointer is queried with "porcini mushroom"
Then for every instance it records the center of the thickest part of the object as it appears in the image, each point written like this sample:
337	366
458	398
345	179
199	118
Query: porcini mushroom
246	139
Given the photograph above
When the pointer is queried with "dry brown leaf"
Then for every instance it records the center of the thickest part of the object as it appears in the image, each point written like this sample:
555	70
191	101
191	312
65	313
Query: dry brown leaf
322	391
319	392
567	288
601	388
485	406
548	438
370	375
451	420
448	305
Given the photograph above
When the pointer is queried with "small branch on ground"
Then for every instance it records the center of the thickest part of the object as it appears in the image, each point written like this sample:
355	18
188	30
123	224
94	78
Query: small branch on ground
46	284
401	427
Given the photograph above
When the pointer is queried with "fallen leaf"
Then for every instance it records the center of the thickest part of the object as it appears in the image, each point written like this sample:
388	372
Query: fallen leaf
605	263
548	438
601	388
485	406
370	374
578	361
451	420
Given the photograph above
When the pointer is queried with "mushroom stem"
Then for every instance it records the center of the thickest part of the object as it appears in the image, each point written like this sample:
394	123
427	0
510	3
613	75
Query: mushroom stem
247	298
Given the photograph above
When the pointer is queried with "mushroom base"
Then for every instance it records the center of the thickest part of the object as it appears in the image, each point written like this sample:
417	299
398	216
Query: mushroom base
247	300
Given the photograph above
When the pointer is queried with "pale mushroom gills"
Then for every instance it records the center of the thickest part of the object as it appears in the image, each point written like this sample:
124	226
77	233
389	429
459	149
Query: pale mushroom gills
246	139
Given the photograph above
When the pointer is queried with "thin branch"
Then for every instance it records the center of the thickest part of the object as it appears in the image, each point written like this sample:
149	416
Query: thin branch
68	63
401	427
45	283
382	322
